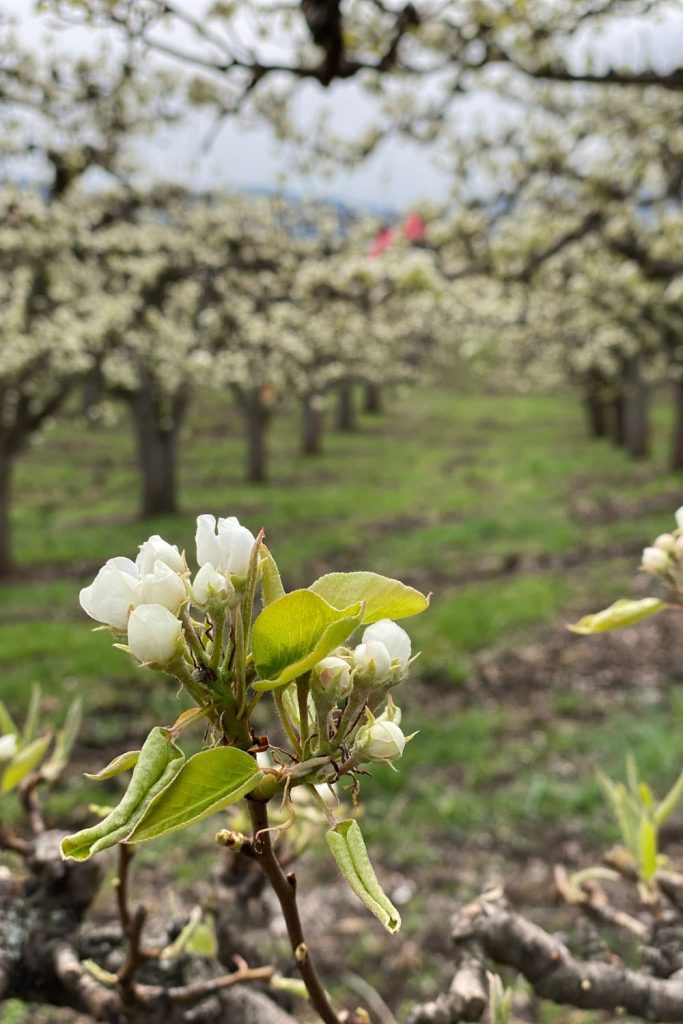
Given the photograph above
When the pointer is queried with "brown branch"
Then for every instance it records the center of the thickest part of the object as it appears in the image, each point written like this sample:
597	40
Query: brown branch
492	929
284	886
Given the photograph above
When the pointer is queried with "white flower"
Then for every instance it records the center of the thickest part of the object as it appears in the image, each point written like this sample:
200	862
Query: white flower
655	560
666	542
372	662
111	595
210	585
153	634
395	639
156	549
331	678
162	586
679	518
380	740
226	546
8	746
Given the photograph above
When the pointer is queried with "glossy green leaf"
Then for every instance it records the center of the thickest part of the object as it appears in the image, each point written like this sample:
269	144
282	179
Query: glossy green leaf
622	613
346	842
295	632
119	765
382	597
209	782
24	762
159	762
271	582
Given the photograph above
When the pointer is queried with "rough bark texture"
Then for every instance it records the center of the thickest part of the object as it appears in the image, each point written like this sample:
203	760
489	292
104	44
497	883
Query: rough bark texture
618	425
312	426
6	467
346	410
677	441
596	415
157	421
373	399
636	413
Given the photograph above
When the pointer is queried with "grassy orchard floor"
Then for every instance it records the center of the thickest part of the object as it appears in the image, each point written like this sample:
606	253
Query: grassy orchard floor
500	506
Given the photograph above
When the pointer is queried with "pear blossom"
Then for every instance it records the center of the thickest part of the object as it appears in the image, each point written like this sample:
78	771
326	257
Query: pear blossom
394	638
655	560
209	584
161	586
665	542
156	549
379	740
679	517
331	679
372	662
224	544
8	746
154	634
112	593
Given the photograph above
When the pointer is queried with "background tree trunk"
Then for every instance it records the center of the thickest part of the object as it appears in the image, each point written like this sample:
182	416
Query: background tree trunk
157	423
312	426
637	412
373	399
677	446
257	417
596	414
6	467
346	410
618	425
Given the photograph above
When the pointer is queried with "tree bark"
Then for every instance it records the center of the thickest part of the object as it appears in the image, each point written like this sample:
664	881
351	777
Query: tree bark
257	417
596	415
677	446
346	410
637	412
6	468
312	426
157	424
373	399
618	425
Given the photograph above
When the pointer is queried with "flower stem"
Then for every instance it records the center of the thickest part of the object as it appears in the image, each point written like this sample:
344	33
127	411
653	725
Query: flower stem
284	887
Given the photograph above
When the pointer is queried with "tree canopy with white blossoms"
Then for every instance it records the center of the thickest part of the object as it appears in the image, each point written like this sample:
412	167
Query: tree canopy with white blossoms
332	695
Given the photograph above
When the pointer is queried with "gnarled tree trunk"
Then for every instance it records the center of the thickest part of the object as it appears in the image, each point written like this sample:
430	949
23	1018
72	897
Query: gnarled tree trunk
312	426
157	421
257	415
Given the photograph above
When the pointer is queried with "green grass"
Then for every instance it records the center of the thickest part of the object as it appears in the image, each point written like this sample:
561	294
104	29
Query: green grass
445	493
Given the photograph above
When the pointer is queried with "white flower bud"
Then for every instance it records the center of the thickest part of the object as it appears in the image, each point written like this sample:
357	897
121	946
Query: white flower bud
395	639
391	713
655	560
331	678
162	586
111	595
154	634
379	740
665	542
156	549
372	662
210	586
8	746
679	518
226	545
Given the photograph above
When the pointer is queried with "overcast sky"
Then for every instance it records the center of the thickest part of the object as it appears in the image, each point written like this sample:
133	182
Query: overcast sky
399	175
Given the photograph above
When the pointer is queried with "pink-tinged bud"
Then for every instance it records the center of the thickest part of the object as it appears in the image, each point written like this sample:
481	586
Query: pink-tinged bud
331	679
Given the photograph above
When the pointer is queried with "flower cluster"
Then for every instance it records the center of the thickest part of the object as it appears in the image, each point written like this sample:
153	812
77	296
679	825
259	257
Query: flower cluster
664	558
199	629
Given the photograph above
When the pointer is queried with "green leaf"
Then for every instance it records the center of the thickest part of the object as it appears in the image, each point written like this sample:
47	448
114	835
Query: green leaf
647	845
159	762
294	633
383	598
24	762
66	737
668	804
270	578
120	764
31	722
210	781
7	724
622	613
348	849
